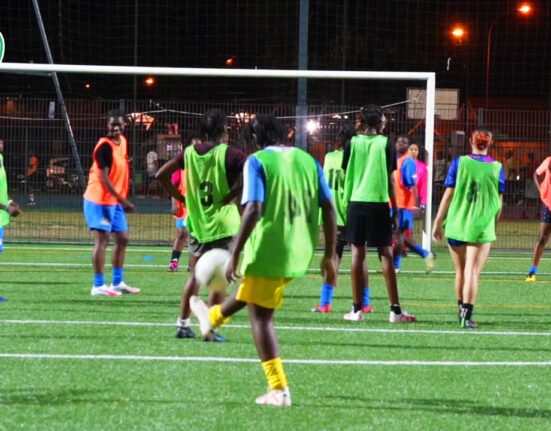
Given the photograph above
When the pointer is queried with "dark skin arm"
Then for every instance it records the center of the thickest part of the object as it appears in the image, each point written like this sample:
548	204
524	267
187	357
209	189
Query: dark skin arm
394	205
165	173
327	265
251	215
126	204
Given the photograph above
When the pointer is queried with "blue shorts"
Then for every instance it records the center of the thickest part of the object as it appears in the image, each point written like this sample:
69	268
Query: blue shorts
180	223
545	216
456	242
109	218
405	219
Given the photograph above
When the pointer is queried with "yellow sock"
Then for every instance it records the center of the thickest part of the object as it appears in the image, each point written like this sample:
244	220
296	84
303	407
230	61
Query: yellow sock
273	369
216	317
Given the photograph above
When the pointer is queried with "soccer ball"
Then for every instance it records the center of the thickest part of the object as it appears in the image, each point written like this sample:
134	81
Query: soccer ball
210	270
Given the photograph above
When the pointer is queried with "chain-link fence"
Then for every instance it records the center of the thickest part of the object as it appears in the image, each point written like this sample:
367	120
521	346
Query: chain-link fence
44	178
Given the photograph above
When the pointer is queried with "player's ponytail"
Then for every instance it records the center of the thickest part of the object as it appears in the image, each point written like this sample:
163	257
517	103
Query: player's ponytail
267	129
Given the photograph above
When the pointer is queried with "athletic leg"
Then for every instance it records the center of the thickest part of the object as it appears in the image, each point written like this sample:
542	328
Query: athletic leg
475	258
543	239
457	254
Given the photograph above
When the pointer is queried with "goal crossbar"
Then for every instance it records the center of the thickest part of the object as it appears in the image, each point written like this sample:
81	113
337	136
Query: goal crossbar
428	77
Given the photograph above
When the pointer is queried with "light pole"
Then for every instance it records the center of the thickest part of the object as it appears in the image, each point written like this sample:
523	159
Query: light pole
524	9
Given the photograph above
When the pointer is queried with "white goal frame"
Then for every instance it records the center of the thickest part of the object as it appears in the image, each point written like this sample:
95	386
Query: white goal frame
428	77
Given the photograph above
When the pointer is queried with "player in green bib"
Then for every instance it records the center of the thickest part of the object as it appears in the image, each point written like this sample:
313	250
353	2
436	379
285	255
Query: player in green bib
8	207
283	189
369	161
467	216
213	172
335	175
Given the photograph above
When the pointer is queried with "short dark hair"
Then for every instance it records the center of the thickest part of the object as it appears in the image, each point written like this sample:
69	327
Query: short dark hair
213	125
372	115
268	130
345	133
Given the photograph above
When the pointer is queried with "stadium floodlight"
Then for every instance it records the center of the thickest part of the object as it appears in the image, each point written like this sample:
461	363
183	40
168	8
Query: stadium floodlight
429	78
312	126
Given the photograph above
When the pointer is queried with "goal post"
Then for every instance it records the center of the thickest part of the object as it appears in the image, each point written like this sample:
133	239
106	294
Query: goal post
429	78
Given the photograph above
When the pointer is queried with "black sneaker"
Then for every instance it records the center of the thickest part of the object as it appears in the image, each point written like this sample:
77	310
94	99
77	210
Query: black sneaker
185	332
469	324
215	337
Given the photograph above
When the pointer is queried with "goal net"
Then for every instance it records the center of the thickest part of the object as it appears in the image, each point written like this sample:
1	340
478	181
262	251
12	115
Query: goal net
36	135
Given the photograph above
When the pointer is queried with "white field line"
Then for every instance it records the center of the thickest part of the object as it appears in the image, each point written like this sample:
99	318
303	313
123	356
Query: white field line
311	270
289	328
166	251
409	363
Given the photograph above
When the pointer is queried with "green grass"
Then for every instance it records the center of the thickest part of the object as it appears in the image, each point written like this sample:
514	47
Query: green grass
94	394
157	227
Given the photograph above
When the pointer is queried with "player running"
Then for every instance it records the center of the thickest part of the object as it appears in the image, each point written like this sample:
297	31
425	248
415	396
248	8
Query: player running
408	201
369	160
8	207
179	211
542	179
106	204
332	168
471	207
283	188
212	177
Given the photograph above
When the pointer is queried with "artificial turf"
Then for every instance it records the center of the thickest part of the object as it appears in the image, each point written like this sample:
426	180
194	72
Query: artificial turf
137	376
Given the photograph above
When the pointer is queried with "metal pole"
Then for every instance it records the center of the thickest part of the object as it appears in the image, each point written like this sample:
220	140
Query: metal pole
59	94
344	40
429	146
488	56
135	100
302	94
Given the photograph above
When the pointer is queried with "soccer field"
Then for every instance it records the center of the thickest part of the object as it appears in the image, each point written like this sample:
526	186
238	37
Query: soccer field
71	361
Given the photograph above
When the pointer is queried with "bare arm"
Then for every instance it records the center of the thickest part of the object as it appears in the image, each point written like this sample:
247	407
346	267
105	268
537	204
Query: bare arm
437	231
538	179
251	215
126	204
498	215
165	173
393	203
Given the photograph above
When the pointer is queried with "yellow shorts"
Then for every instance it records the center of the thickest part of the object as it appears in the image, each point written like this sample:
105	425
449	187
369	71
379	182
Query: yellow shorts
266	292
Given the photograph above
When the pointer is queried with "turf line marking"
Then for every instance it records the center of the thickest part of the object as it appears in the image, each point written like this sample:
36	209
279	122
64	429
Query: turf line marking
287	361
310	271
289	328
163	250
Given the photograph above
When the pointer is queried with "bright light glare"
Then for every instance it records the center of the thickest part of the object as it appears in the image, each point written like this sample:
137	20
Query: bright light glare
312	126
458	32
150	81
525	8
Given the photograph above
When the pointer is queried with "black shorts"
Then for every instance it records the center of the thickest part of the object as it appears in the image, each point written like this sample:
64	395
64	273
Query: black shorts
545	215
198	249
369	223
341	240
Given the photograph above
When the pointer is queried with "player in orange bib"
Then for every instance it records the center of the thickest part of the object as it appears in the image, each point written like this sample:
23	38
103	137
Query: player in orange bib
106	204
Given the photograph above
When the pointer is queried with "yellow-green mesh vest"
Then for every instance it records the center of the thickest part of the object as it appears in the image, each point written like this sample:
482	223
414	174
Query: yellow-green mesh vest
283	241
206	187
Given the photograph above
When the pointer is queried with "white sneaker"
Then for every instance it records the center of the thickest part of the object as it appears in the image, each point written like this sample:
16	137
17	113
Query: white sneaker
122	287
429	262
104	291
278	398
358	316
201	311
403	317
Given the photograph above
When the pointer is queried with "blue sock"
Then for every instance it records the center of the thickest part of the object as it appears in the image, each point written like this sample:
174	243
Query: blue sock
99	280
118	275
366	299
417	249
1	238
397	261
533	269
326	294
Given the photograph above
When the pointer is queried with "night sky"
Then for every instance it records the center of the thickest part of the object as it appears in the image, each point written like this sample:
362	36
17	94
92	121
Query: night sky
355	35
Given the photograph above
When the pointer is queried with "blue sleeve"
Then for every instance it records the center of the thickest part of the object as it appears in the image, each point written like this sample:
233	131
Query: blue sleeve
502	180
409	173
452	174
254	181
323	187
